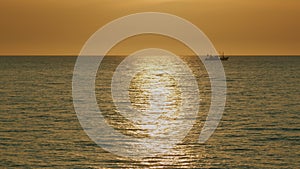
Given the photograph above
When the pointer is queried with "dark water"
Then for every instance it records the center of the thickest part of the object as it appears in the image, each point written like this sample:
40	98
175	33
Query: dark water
260	127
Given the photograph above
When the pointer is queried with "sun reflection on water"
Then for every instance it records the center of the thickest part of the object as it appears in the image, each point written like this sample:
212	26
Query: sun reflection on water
156	101
156	95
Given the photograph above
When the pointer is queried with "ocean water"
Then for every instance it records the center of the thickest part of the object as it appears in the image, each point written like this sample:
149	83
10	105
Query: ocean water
260	127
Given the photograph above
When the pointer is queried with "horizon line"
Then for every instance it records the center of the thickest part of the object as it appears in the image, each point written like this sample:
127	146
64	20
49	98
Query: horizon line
123	55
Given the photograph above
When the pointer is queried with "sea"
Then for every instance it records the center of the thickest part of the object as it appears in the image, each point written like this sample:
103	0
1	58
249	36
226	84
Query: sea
260	126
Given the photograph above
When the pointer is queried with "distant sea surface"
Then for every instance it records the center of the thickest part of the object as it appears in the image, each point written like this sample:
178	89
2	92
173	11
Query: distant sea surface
260	127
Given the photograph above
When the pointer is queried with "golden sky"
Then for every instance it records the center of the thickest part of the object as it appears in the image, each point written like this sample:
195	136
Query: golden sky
61	27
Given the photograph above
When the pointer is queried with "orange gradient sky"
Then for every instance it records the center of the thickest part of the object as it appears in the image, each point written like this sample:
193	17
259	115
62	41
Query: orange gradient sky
49	27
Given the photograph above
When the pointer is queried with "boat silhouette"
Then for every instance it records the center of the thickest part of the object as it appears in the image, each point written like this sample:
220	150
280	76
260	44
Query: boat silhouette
220	57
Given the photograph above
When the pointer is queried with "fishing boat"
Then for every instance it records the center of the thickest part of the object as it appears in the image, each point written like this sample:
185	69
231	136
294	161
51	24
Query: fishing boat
220	57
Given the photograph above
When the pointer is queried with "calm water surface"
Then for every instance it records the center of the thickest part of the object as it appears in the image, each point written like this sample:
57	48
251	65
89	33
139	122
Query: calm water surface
260	127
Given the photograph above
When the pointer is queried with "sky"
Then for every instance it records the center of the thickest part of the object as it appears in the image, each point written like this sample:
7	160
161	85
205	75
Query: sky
237	27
